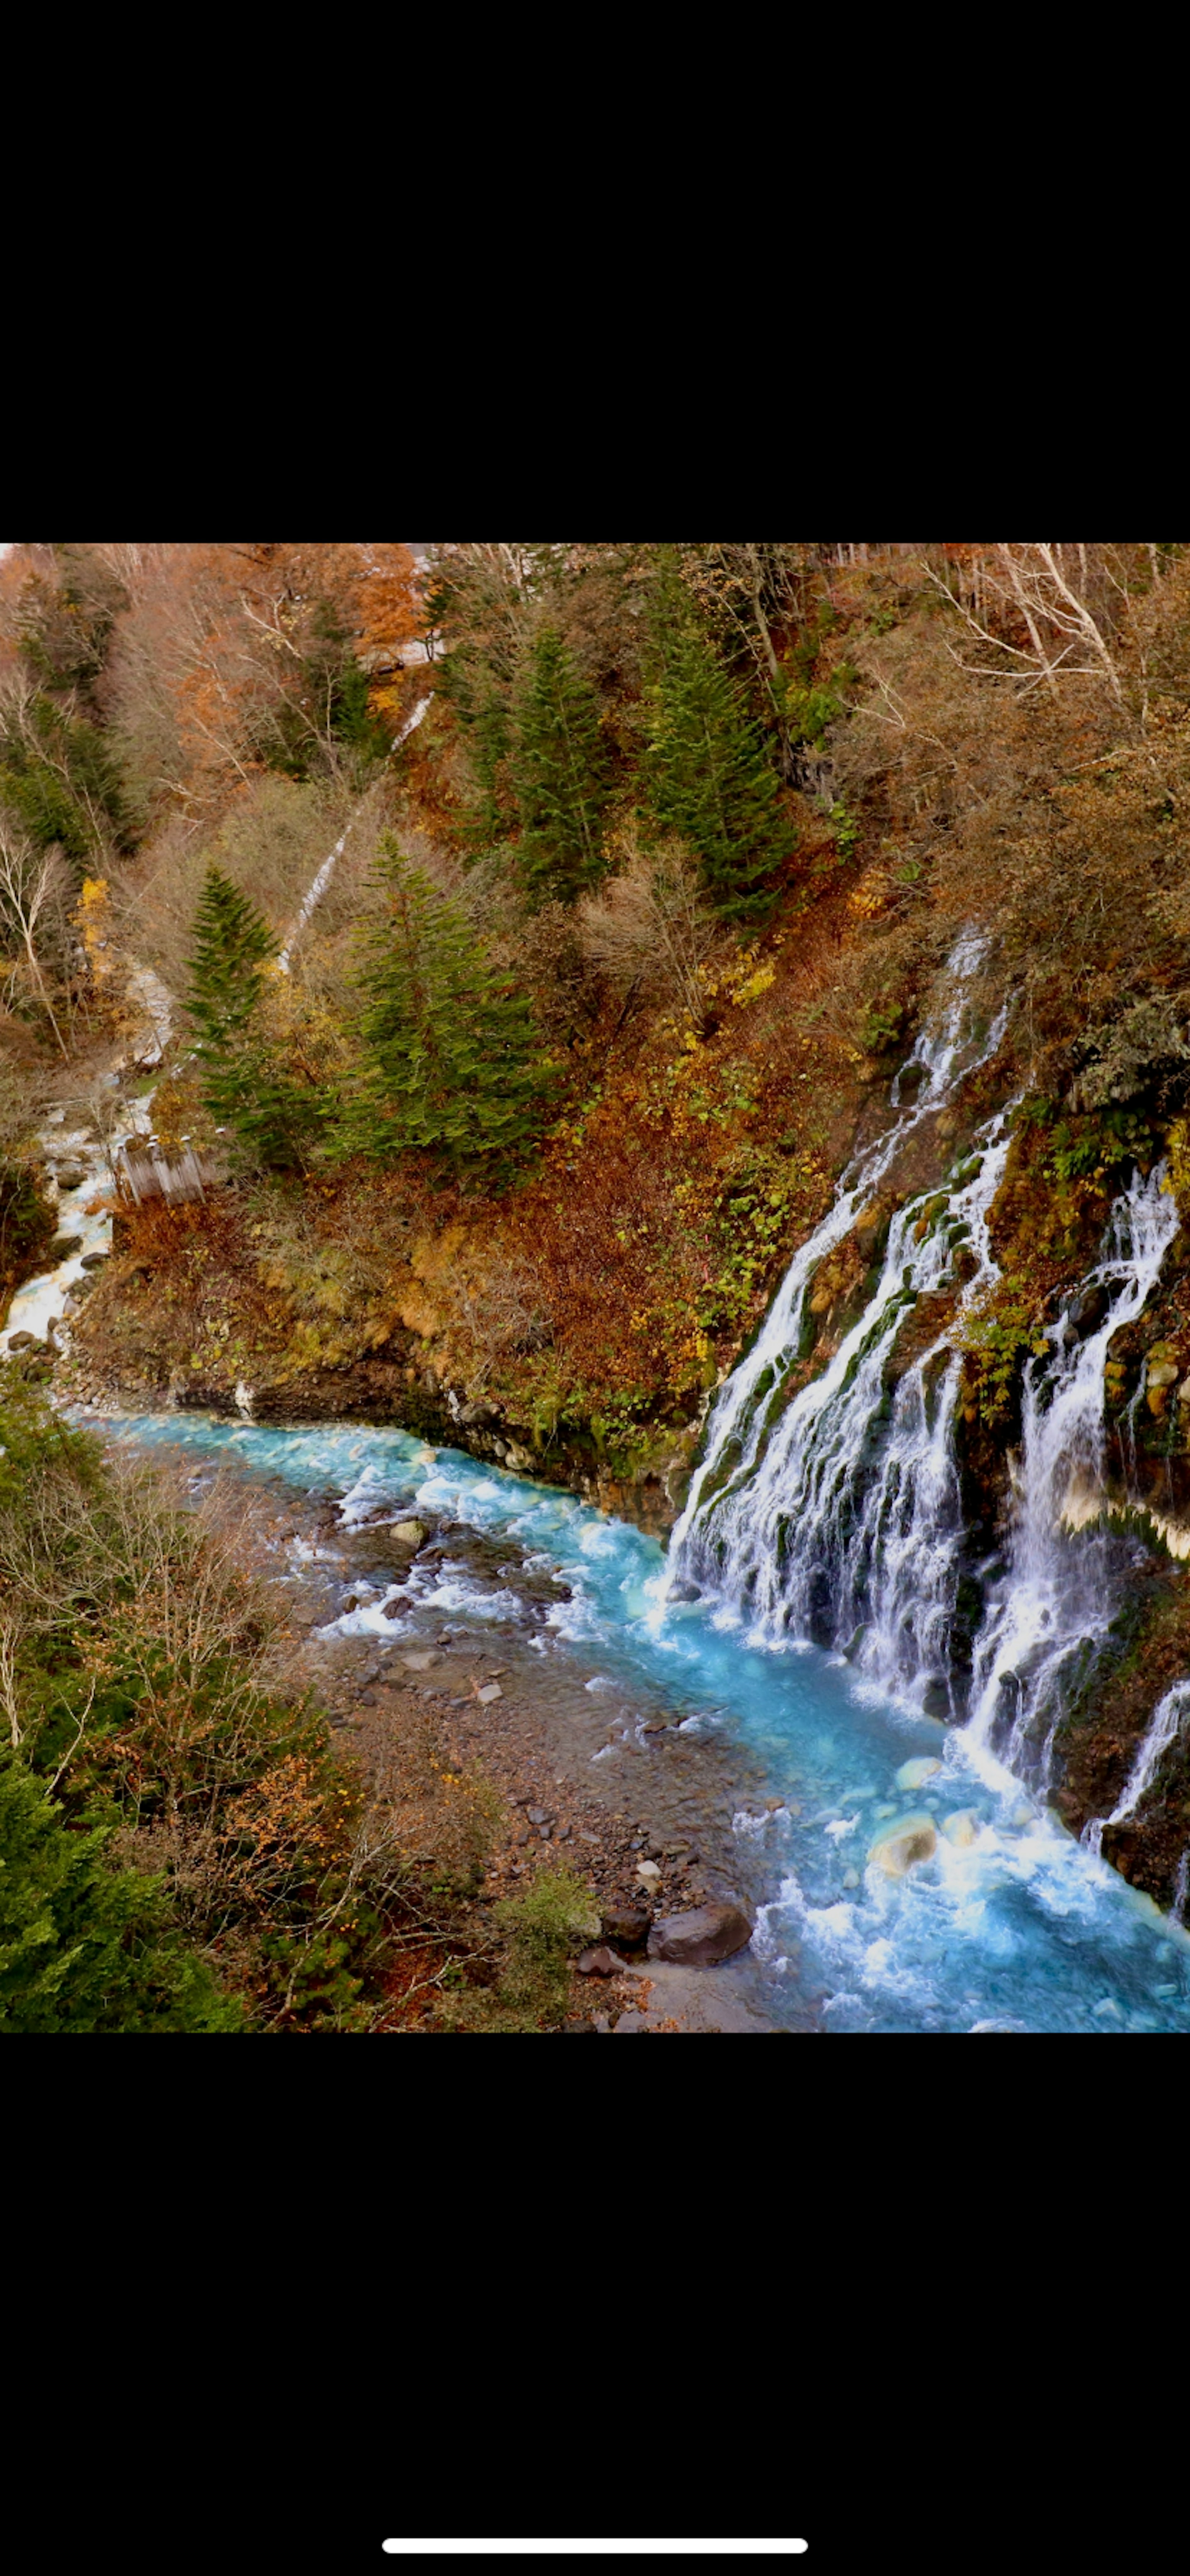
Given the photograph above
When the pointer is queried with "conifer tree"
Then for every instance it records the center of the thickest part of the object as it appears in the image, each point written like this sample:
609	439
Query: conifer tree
451	1058
274	1118
560	772
708	775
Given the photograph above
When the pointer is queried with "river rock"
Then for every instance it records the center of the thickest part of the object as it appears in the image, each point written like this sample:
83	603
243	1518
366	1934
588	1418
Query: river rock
600	1963
420	1663
23	1342
914	1775
908	1839
95	1260
649	1874
961	1828
702	1937
409	1534
628	1924
490	1691
64	1247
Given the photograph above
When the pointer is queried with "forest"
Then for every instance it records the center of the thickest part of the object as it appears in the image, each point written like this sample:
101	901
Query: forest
515	949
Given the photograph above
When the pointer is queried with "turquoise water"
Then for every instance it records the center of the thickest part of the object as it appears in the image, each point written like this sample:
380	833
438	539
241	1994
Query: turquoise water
1013	1926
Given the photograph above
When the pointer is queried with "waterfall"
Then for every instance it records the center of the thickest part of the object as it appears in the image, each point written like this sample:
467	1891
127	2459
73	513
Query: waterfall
833	1509
318	884
1055	1602
1164	1725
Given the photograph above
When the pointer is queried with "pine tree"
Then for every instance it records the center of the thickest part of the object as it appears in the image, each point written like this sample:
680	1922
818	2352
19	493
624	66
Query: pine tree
560	772
274	1118
451	1059
84	1947
708	774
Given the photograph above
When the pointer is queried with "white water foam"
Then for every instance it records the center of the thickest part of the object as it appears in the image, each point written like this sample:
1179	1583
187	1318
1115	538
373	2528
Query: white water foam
1055	1603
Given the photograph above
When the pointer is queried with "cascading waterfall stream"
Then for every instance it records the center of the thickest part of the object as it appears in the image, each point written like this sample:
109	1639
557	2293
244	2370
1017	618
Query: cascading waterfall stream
1164	1727
1056	1600
942	1058
834	1512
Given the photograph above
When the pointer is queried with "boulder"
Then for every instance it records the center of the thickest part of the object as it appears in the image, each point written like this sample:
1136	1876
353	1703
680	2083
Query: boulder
648	1873
600	1963
914	1775
961	1828
407	1534
420	1663
490	1691
628	1924
95	1260
1160	1373
64	1247
23	1342
702	1937
905	1841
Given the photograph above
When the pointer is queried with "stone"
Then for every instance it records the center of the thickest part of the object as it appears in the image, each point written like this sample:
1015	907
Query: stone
702	1937
648	1873
870	1228
490	1691
961	1828
914	1775
23	1342
419	1663
601	1962
64	1247
1160	1372
901	1844
95	1260
851	1878
408	1534
628	1924
537	1815
395	1609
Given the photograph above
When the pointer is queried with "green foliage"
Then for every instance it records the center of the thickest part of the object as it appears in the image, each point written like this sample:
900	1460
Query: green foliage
996	1341
541	1931
274	1118
708	777
58	774
451	1062
84	1947
560	771
847	831
139	1689
882	1026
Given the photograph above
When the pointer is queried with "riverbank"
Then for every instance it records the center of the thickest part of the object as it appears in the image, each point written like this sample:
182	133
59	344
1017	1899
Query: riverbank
473	1693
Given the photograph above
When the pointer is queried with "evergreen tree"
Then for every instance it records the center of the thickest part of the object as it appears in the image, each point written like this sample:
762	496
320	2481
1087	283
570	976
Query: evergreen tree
560	772
451	1058
274	1117
84	1947
708	774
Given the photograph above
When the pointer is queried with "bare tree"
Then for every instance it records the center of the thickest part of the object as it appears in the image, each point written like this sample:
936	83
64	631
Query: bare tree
29	881
652	932
1037	588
